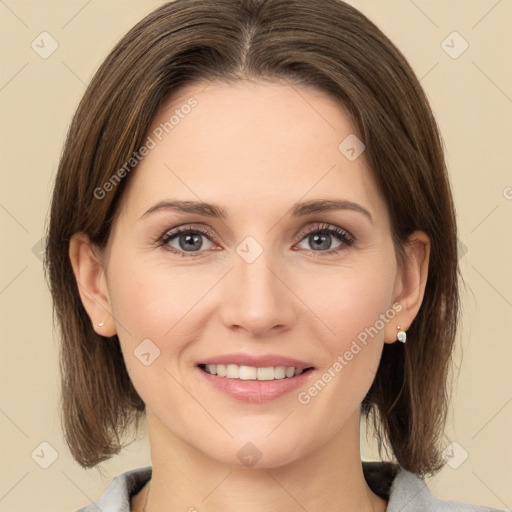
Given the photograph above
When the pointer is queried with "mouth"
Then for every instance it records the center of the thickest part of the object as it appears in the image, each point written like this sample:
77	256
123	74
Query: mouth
255	378
265	373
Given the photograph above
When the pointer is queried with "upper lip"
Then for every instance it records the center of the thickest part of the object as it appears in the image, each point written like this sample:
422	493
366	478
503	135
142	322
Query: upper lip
258	361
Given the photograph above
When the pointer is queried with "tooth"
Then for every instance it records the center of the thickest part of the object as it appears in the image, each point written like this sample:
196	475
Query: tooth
265	373
279	372
247	373
232	371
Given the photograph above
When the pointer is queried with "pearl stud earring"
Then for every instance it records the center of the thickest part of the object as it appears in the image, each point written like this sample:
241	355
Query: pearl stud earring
401	335
101	324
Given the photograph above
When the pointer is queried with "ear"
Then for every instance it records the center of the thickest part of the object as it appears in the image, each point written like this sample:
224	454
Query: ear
410	284
92	285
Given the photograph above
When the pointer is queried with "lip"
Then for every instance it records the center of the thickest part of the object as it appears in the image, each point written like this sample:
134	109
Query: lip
258	361
256	391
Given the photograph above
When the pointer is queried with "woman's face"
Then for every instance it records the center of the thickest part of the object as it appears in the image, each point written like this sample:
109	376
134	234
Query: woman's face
262	282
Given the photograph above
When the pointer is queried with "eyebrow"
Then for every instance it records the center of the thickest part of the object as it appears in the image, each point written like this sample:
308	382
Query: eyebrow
297	210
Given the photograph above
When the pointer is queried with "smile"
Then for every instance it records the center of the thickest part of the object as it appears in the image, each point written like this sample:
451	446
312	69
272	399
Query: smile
234	371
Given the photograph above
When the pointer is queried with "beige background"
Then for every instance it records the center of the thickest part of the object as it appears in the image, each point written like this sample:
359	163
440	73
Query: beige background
472	98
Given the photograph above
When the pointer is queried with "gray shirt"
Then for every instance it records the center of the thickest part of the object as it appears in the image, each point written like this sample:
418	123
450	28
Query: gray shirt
404	491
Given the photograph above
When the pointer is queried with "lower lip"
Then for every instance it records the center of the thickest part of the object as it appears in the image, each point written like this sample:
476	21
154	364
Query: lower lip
256	391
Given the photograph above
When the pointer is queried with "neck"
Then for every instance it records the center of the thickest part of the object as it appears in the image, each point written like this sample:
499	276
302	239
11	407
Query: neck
327	479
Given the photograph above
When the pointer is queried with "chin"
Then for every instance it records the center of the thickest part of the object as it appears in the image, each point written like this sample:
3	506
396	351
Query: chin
259	454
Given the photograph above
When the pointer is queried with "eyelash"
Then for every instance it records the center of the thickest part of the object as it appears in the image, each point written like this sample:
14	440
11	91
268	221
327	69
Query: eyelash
340	234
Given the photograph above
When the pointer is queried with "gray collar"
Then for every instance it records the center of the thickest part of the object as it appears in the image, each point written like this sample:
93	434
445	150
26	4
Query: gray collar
404	491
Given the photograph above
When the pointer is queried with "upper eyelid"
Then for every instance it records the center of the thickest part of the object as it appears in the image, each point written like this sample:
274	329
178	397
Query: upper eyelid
324	226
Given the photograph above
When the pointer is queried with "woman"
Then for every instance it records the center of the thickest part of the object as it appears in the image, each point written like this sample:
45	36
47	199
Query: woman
252	243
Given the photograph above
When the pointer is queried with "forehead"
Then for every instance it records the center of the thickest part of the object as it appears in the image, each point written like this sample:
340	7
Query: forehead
251	144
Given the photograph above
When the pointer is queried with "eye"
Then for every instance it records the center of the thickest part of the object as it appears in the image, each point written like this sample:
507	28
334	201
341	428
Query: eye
187	239
319	237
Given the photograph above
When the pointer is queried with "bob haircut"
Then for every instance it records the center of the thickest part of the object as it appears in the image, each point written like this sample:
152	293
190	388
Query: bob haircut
326	44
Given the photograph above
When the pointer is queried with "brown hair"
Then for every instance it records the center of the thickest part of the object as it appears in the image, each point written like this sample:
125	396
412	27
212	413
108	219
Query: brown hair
327	44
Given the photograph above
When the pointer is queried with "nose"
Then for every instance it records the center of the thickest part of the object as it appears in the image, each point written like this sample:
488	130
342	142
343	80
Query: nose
257	299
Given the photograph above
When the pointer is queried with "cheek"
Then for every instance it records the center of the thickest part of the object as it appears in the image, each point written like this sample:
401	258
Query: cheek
148	299
356	305
155	302
353	301
359	314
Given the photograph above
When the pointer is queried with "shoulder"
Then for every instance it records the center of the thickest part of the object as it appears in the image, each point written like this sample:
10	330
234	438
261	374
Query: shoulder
406	492
117	496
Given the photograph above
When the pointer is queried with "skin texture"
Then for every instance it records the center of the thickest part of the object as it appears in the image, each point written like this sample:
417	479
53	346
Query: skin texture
254	148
